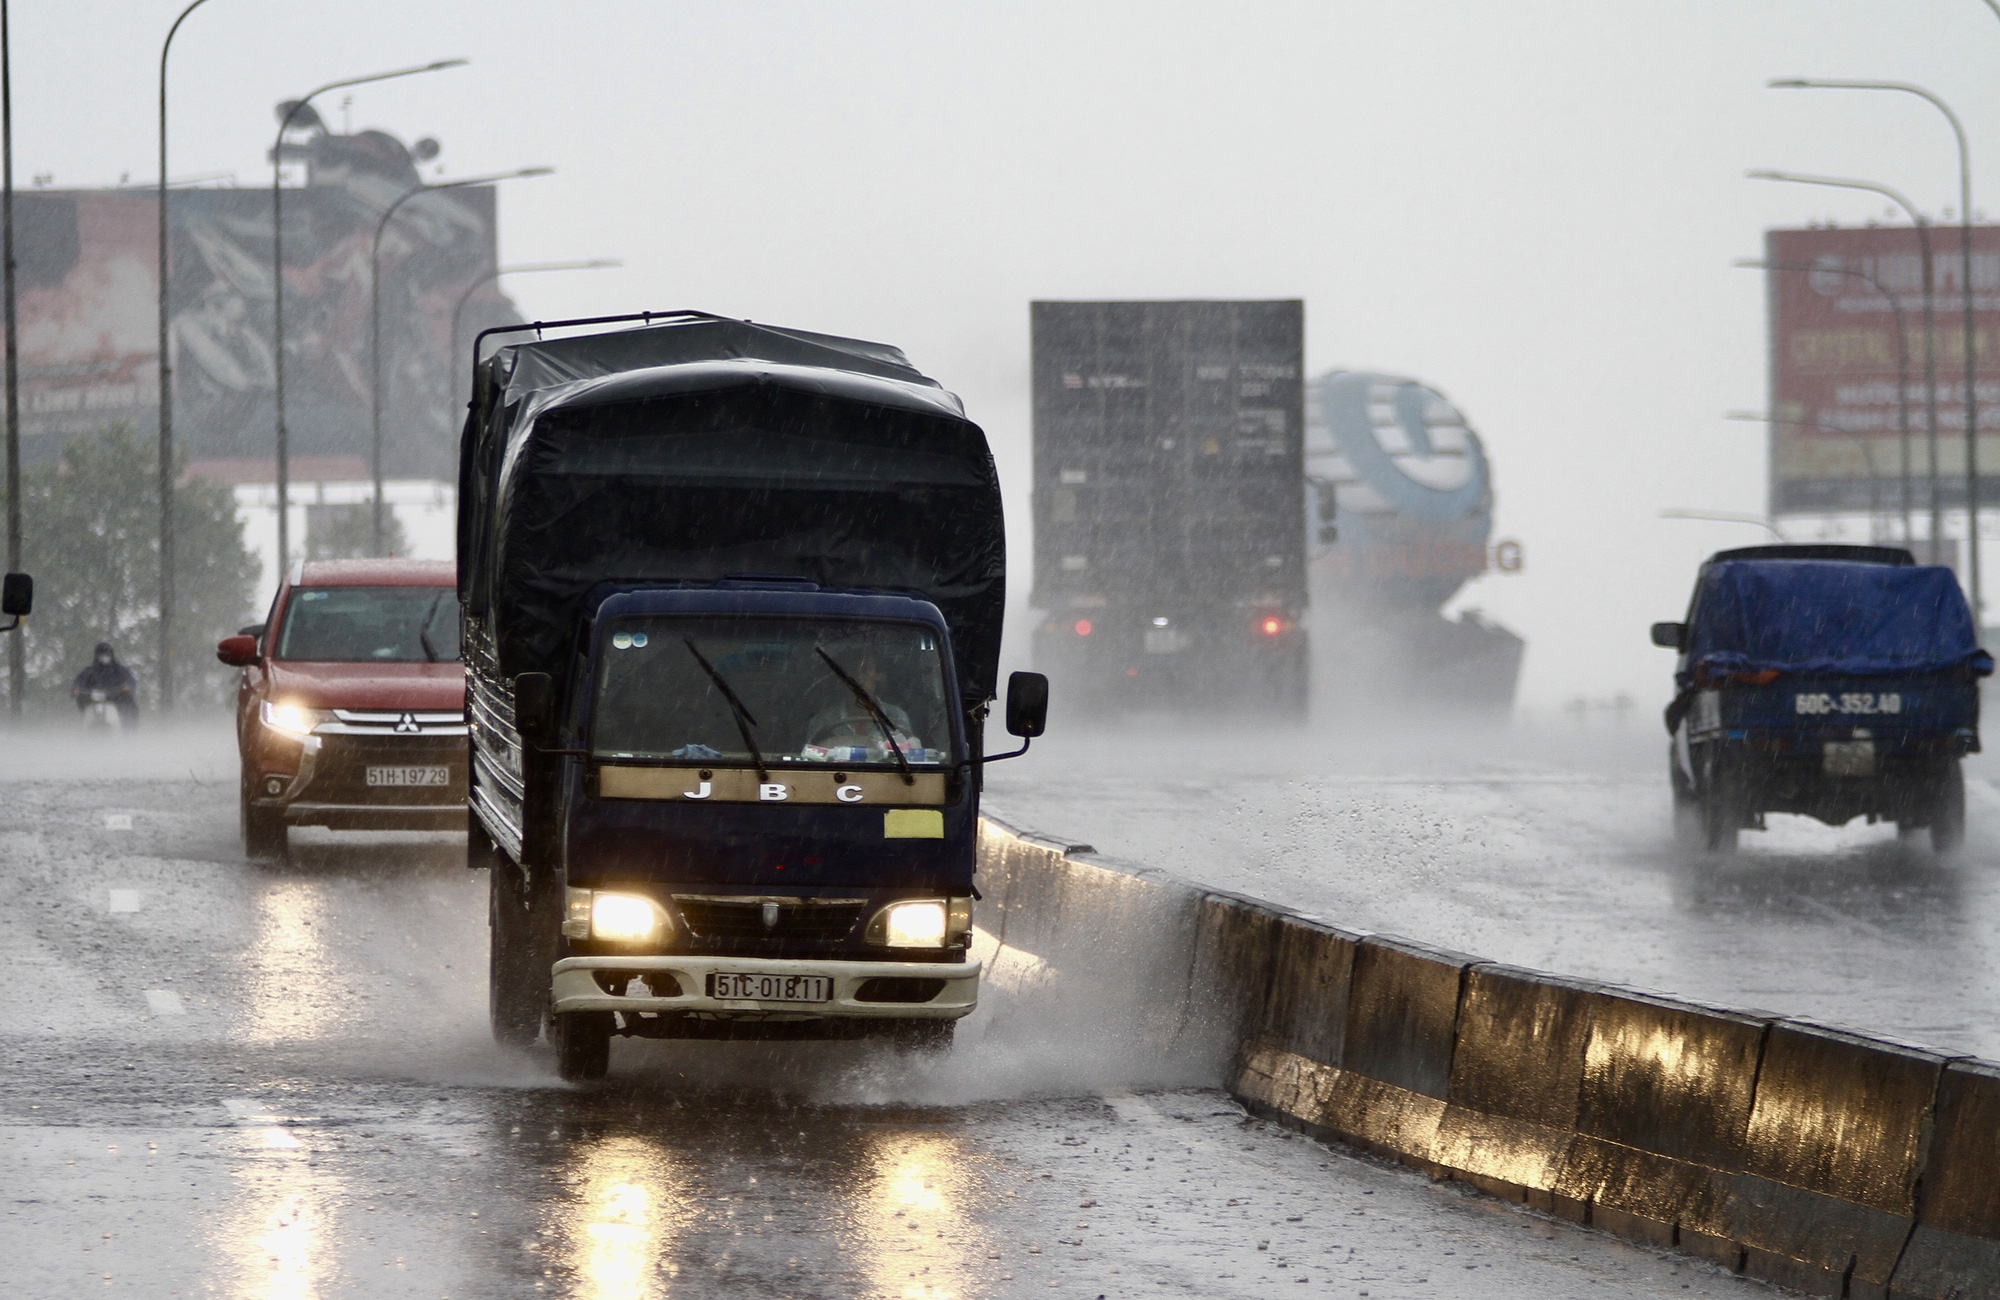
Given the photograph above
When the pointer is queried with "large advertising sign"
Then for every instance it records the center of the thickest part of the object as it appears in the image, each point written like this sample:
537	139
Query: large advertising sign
1842	386
88	279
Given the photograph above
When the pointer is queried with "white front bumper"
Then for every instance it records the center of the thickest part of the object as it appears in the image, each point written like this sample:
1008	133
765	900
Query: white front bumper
576	987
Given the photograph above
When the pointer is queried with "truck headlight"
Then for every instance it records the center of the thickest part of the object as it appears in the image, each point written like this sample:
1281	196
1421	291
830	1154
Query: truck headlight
293	719
615	918
916	924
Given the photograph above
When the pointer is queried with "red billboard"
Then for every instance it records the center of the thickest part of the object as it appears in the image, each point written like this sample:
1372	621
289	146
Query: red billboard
1842	386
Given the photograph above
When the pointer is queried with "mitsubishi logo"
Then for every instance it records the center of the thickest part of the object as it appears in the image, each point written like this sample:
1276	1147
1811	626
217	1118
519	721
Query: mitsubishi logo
407	724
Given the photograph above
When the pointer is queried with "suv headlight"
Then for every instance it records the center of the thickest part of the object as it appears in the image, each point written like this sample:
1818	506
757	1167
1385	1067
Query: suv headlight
922	923
294	719
615	917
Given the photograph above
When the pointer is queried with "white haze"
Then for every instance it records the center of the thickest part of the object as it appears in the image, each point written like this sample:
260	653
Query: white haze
1532	205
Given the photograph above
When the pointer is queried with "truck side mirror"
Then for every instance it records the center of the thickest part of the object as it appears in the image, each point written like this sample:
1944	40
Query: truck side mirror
1027	705
534	708
237	651
1670	636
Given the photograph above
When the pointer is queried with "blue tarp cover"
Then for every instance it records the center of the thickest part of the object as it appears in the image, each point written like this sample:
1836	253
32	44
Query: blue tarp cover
1832	617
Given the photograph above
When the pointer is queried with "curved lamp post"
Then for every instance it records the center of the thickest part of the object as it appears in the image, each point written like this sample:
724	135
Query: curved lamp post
165	671
1965	291
1902	358
530	268
1930	320
291	110
375	322
1726	517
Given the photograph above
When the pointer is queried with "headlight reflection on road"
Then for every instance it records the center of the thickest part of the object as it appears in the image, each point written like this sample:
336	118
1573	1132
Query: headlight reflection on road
280	1243
631	1204
292	973
920	1240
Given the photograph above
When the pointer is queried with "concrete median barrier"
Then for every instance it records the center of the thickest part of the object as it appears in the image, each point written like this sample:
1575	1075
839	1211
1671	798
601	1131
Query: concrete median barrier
1826	1160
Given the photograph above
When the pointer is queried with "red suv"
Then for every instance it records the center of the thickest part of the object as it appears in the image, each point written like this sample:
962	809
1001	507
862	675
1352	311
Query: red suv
351	711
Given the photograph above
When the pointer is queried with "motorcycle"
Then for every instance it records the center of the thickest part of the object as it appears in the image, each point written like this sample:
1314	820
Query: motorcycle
99	713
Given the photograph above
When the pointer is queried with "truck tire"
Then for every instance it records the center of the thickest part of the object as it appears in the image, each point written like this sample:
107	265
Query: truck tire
1948	810
264	835
1721	810
1687	810
583	1045
519	953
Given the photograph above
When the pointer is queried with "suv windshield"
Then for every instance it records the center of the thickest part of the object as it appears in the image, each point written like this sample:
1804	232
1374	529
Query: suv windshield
381	625
829	691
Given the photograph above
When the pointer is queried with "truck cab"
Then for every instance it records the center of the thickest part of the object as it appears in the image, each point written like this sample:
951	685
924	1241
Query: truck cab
732	601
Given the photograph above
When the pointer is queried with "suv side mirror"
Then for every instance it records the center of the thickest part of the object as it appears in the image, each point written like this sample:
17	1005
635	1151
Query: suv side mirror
1670	636
17	595
237	651
1027	705
534	708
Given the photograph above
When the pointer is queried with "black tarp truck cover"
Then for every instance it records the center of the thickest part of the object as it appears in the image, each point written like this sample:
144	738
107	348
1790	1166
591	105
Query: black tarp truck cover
704	447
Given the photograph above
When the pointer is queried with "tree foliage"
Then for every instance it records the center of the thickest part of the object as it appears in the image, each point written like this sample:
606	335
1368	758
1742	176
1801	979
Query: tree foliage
91	539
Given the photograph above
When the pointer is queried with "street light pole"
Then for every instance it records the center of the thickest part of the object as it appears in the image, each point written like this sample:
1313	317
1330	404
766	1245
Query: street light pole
1930	322
290	111
458	309
165	671
1902	361
1971	338
17	663
375	320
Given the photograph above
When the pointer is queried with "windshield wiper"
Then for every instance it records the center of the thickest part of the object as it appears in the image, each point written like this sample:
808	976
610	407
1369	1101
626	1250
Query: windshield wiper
744	719
424	629
874	711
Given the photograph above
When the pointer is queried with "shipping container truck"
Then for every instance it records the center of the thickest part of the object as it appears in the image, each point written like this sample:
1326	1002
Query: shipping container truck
732	603
1169	502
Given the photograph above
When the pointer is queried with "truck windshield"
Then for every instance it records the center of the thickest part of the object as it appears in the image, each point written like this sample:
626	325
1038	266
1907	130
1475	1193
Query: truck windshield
378	625
832	692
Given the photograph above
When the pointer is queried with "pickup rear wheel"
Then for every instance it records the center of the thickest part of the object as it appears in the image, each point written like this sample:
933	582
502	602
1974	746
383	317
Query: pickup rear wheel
583	1045
1721	809
1948	810
520	952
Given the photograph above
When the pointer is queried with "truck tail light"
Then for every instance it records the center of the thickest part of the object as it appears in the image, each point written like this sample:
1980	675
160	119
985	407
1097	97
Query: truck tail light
1083	627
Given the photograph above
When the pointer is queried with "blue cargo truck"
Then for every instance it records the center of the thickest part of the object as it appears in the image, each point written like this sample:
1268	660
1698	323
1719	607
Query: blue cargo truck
1831	681
732	604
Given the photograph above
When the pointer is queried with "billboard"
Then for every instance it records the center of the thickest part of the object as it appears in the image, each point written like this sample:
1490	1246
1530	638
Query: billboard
88	275
1841	385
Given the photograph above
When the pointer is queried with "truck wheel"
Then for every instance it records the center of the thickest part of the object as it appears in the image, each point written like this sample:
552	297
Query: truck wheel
931	1037
583	1045
1687	811
264	836
519	957
1721	817
1948	811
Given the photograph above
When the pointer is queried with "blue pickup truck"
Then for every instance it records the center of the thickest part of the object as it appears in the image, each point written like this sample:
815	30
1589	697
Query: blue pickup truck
1831	681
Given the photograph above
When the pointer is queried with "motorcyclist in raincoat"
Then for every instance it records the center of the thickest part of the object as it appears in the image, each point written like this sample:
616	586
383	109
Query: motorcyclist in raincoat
106	674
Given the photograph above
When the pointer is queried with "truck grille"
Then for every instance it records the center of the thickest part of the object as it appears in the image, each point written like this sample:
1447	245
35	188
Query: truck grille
711	916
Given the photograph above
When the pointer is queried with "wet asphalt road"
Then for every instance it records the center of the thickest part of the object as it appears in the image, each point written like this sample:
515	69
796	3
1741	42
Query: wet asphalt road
1551	849
220	1078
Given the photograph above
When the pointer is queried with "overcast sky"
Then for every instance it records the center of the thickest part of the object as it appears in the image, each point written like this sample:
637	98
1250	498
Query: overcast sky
1530	204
